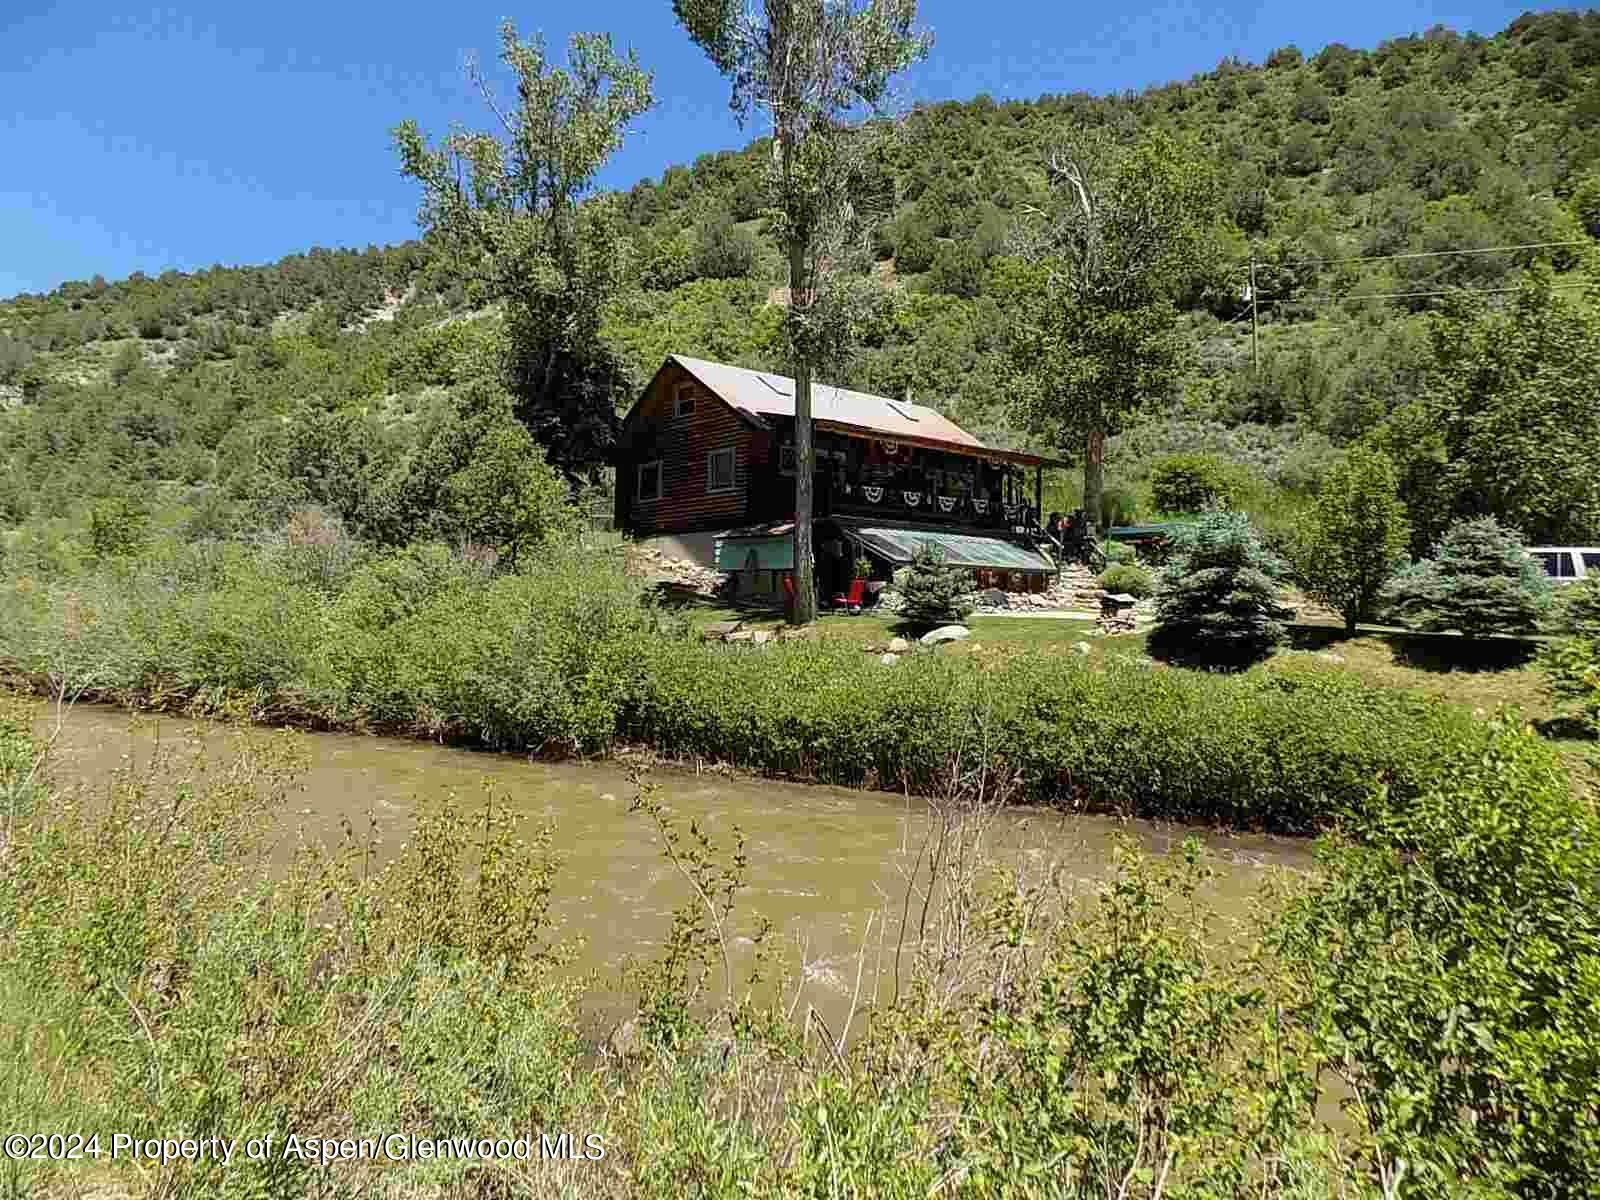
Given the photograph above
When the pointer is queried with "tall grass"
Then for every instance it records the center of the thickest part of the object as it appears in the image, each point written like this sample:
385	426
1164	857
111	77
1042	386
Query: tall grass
1029	1038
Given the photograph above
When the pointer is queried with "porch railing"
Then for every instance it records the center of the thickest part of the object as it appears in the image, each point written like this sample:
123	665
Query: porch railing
900	504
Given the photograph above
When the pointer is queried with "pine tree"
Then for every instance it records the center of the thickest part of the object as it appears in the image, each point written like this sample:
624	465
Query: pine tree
934	592
1217	598
1479	581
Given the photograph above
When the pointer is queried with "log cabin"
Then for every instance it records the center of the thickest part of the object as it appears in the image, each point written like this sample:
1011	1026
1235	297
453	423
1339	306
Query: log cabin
708	449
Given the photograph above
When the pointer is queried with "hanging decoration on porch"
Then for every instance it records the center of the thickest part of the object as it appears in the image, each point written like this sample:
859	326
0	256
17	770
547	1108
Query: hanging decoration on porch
947	503
873	494
890	448
912	498
1013	511
981	507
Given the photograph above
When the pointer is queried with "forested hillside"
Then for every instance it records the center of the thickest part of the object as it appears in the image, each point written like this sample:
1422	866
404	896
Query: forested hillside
327	377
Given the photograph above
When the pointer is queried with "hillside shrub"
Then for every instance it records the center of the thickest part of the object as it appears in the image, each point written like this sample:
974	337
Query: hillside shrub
724	250
1217	596
1479	581
1120	552
1190	483
1129	578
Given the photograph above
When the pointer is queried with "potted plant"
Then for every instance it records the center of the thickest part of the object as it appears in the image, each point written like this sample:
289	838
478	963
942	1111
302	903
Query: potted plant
863	568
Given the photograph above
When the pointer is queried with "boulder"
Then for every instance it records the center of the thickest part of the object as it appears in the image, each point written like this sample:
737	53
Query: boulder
889	659
994	598
762	636
899	645
945	633
721	630
1082	647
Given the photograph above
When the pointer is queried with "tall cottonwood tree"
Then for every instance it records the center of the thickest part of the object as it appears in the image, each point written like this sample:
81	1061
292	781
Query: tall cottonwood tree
1093	332
820	70
512	210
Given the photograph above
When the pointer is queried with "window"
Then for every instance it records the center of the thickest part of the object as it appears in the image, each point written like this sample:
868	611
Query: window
683	400
649	481
1591	561
1549	563
1565	567
786	460
719	470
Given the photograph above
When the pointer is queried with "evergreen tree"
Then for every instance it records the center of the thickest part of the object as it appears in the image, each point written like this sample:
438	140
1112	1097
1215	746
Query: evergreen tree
1479	581
934	592
1217	597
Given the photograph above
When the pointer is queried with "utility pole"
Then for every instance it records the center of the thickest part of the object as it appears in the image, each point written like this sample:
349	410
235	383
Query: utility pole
1255	328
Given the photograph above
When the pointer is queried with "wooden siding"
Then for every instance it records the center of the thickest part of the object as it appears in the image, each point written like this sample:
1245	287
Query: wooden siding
681	444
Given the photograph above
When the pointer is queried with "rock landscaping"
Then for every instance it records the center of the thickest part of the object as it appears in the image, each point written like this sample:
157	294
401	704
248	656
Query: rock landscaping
677	572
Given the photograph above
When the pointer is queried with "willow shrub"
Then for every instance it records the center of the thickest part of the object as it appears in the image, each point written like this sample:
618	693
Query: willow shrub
1288	749
563	657
1449	960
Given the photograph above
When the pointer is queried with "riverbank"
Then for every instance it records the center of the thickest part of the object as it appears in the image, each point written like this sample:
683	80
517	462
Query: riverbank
565	659
159	977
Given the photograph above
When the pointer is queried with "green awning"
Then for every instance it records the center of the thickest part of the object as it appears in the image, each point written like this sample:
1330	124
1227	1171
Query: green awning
959	549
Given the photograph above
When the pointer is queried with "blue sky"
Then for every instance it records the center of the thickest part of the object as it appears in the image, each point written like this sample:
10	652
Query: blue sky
148	136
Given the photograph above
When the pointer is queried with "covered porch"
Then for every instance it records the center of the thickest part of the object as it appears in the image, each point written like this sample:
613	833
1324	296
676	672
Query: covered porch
760	557
861	474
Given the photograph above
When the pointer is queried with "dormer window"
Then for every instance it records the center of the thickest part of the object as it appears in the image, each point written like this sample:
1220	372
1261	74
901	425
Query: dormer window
683	400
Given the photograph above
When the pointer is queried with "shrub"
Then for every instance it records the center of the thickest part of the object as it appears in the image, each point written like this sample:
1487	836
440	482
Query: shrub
1450	961
915	251
1129	578
117	526
1356	538
1120	552
1190	483
724	250
1479	581
1218	593
1572	663
1286	750
1572	666
1579	612
934	593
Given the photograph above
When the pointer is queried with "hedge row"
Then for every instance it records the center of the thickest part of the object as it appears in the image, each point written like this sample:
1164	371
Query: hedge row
1285	750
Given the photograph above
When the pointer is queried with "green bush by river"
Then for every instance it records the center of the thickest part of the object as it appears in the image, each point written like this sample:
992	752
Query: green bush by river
564	657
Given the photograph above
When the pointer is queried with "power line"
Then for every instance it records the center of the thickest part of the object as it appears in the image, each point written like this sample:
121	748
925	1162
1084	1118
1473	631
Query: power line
1555	287
1326	262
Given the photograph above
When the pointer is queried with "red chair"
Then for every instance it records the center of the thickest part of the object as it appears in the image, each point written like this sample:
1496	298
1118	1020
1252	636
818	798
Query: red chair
788	586
852	600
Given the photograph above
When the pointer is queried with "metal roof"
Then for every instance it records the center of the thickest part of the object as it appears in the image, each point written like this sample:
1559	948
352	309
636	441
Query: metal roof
960	549
773	395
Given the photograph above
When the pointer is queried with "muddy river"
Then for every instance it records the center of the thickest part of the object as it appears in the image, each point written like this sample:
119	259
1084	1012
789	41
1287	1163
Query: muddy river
822	859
